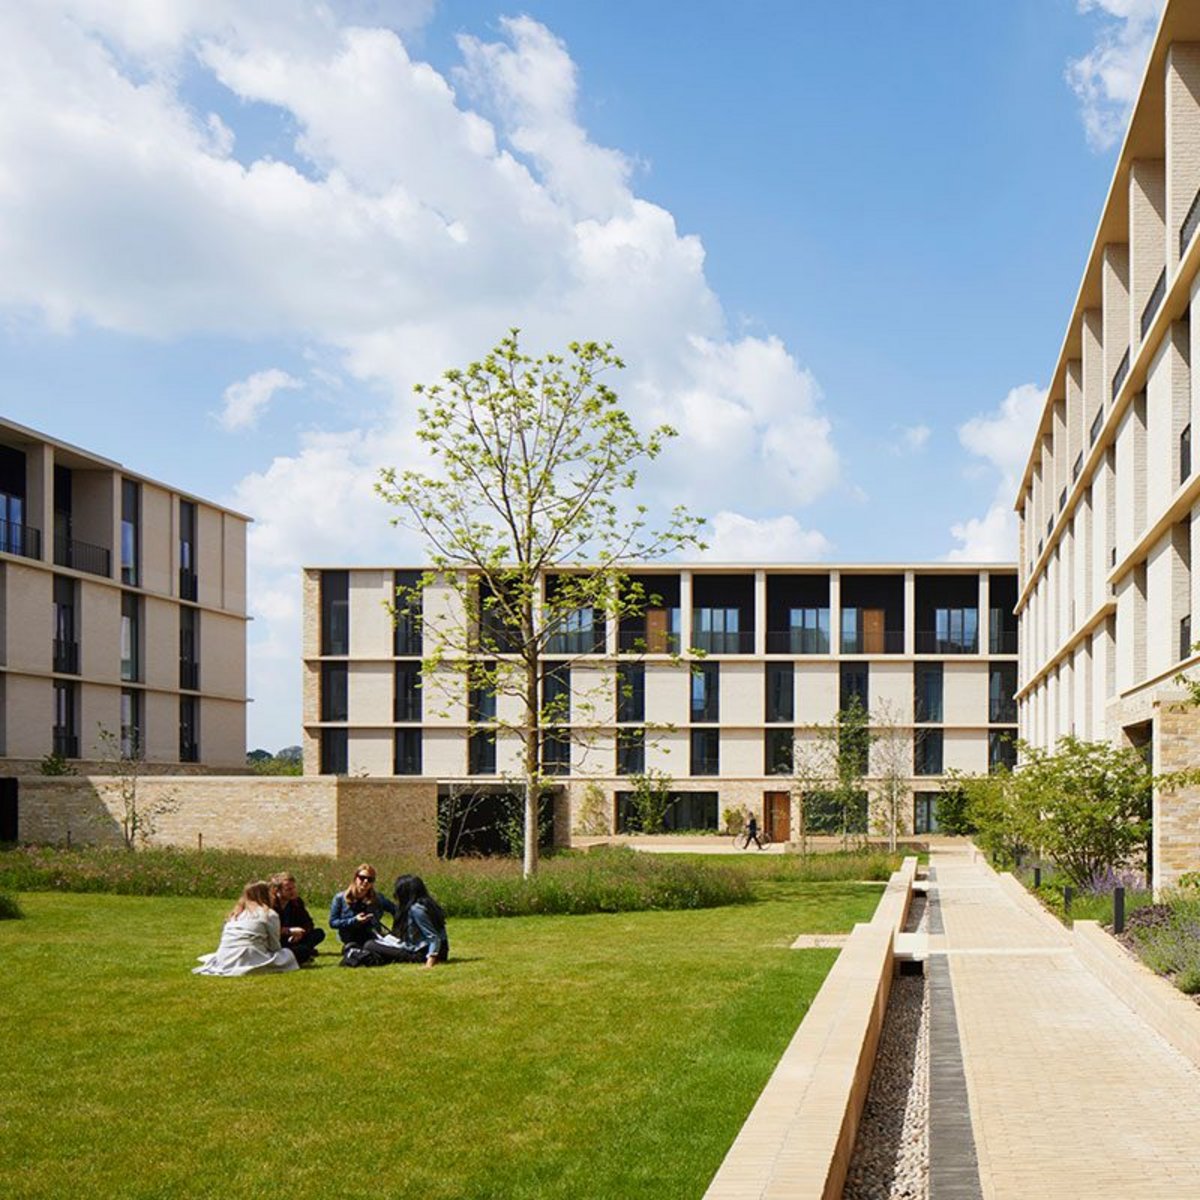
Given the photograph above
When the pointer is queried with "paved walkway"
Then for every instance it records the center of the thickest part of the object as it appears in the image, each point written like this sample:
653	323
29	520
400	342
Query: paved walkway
1070	1094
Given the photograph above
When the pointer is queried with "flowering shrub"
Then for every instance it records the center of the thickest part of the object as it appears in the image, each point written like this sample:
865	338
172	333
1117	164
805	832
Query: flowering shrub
1167	937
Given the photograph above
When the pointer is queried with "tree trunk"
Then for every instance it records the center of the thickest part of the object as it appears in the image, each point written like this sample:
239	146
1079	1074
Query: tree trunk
532	790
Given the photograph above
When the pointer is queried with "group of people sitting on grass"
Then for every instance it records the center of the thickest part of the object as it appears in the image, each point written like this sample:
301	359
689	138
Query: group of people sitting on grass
270	928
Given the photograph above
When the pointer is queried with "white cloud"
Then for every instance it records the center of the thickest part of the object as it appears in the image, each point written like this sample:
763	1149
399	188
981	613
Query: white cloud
770	539
1001	442
413	220
246	400
913	439
1106	79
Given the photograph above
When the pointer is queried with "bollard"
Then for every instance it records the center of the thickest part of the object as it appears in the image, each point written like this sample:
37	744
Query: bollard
1037	878
1017	858
68	837
200	842
1068	892
1118	910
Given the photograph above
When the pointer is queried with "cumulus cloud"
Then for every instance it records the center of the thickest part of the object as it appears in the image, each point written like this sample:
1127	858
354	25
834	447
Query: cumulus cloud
245	401
736	538
912	439
999	442
1107	77
412	219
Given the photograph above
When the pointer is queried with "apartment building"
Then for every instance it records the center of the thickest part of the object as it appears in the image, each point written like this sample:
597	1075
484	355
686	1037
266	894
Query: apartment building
122	608
930	648
1109	499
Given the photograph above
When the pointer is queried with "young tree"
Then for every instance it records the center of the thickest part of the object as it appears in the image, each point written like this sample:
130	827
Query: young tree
524	520
892	763
125	758
830	766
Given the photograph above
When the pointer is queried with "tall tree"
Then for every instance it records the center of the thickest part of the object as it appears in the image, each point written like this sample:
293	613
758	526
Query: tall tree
527	517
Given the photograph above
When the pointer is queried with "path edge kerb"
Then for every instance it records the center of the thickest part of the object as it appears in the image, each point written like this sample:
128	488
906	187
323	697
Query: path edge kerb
799	1136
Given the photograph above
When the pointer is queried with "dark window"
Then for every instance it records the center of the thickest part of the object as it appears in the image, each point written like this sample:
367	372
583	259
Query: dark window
335	705
686	810
556	752
1185	454
189	729
335	612
778	749
780	699
927	752
580	631
1185	637
631	692
188	588
956	631
1002	750
1002	688
556	694
706	692
925	814
1097	425
408	752
1077	467
131	532
335	752
631	751
189	647
809	630
481	697
133	743
408	694
928	692
66	726
131	637
706	752
854	682
481	752
66	645
406	637
717	631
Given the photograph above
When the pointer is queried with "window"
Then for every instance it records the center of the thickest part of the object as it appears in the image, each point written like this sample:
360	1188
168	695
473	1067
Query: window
778	752
481	752
928	692
780	699
131	533
189	729
66	648
189	647
406	633
686	810
631	692
14	537
706	752
335	756
927	752
556	694
1185	454
1002	750
556	752
132	741
335	612
408	752
631	751
187	550
580	631
1002	687
66	728
335	704
706	692
854	682
131	637
408	694
1097	425
956	630
481	696
925	813
809	630
716	630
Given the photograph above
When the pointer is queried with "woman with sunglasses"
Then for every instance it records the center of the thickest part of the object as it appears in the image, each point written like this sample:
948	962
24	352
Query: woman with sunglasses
355	912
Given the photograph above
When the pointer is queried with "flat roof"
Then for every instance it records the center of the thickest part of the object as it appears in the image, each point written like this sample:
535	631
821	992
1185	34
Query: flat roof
931	568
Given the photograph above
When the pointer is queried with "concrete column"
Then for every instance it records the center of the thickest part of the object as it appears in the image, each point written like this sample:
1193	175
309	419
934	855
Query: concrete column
985	613
1183	141
1147	245
1115	290
835	612
685	610
760	613
39	495
910	612
1076	421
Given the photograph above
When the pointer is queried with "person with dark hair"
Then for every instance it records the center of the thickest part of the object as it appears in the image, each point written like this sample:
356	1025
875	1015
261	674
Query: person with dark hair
296	927
419	931
355	912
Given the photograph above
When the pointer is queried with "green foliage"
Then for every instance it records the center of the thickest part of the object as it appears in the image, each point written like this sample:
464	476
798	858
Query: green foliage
735	820
55	764
650	799
10	910
594	819
995	808
953	813
1167	937
275	766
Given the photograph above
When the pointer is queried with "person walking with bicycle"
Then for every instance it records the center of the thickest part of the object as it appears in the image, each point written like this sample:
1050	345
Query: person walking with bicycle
752	832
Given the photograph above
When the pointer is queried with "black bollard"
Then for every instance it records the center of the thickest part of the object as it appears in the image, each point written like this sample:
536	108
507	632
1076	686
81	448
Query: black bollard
1068	892
1037	878
1118	910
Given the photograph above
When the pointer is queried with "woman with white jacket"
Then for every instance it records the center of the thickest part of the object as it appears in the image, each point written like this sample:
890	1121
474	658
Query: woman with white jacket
250	942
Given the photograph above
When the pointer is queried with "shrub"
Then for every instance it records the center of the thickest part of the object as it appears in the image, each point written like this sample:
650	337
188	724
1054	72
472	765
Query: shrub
1168	939
10	910
735	821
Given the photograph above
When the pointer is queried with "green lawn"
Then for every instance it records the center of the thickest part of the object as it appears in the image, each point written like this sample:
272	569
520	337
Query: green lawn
588	1056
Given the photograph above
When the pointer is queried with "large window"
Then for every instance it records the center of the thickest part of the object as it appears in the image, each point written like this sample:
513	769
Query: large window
706	752
406	634
66	647
1002	688
1002	750
132	740
335	698
927	752
408	752
188	583
780	698
131	532
809	630
631	751
778	751
556	752
66	727
335	756
189	729
956	631
481	697
706	692
481	752
686	810
928	692
855	681
556	694
131	637
335	612
631	692
716	630
408	691
14	537
580	631
189	647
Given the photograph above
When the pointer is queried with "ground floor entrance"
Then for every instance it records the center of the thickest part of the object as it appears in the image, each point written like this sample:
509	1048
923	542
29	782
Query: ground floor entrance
777	815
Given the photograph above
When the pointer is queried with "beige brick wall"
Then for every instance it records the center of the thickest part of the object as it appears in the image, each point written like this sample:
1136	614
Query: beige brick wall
234	565
158	541
391	817
1182	139
1176	813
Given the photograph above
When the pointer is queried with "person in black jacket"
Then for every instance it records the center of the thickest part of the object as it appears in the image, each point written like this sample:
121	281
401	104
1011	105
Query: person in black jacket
297	931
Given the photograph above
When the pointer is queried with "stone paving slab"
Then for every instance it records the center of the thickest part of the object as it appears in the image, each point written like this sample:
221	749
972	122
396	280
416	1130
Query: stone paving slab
820	941
1070	1094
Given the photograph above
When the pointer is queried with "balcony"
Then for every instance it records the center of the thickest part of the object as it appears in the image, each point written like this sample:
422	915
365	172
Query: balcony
66	745
1152	305
929	641
81	556
189	587
654	641
20	539
189	674
576	641
1002	641
723	641
873	641
66	656
798	641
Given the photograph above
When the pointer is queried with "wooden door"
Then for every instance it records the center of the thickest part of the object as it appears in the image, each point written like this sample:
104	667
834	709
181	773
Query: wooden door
656	631
777	807
873	631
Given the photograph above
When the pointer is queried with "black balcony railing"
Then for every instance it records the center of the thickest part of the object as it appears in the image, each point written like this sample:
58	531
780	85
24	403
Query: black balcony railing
189	674
1190	224
66	745
66	656
81	556
188	584
576	641
1156	298
713	641
1002	712
1185	637
640	642
863	641
928	642
20	539
1002	641
1121	374
797	641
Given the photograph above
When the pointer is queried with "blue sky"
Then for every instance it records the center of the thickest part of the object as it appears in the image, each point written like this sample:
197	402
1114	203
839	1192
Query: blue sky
835	243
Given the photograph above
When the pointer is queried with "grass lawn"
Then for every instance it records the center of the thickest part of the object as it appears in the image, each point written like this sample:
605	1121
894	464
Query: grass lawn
584	1056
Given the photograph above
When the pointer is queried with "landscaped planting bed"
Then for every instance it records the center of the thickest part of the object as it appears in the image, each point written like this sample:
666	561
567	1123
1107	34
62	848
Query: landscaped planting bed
1166	937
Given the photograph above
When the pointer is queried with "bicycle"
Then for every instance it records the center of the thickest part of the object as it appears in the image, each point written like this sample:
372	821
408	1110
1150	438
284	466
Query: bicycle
741	841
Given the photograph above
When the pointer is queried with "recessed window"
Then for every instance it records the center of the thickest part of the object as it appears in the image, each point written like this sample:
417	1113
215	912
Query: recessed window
335	752
778	751
335	612
631	751
928	692
131	532
927	752
706	692
706	752
408	692
780	698
631	692
408	752
335	699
